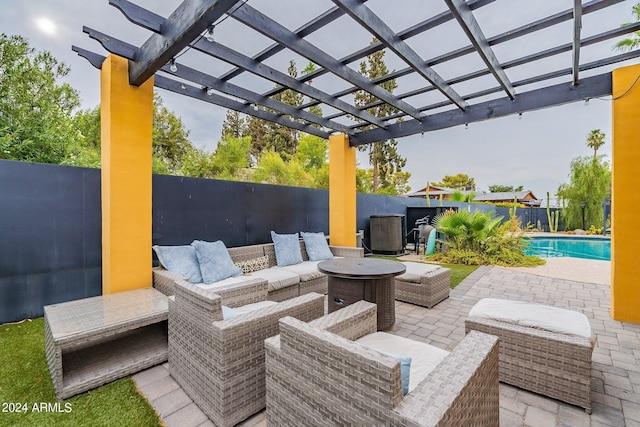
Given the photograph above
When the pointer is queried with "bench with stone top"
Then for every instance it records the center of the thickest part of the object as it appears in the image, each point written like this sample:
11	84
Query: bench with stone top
93	341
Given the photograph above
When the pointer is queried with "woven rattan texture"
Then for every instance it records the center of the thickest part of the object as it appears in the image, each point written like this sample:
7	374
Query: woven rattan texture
93	341
319	378
343	292
434	287
554	365
220	363
164	280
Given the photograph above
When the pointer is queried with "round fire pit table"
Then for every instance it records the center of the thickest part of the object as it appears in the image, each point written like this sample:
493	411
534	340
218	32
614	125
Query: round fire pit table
369	279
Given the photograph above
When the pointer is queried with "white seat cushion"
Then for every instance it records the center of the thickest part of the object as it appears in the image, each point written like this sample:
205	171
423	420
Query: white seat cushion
253	307
276	277
538	316
424	357
415	270
307	270
225	282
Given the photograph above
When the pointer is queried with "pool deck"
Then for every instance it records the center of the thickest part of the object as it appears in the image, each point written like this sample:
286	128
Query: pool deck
615	387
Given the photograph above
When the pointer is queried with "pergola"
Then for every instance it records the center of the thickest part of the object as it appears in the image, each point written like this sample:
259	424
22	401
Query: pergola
434	102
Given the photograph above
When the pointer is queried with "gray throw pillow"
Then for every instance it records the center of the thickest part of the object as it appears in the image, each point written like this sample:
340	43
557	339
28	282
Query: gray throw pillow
181	260
287	247
316	245
215	261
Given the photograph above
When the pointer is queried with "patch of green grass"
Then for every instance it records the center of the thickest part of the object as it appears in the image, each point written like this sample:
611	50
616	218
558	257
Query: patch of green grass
459	272
25	381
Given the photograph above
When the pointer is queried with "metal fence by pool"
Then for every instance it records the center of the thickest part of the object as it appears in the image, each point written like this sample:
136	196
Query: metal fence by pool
582	247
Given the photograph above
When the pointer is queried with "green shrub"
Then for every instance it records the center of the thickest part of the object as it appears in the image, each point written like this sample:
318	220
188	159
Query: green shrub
478	238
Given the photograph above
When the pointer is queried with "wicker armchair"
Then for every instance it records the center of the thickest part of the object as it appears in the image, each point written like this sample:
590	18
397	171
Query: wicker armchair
318	376
220	363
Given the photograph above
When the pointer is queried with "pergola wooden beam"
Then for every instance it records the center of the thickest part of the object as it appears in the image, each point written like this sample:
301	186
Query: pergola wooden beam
376	26
139	15
186	23
527	101
238	59
470	26
540	24
275	31
607	35
199	93
412	31
577	27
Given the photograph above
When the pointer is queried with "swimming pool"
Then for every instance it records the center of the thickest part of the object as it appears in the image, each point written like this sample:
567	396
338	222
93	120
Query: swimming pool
582	247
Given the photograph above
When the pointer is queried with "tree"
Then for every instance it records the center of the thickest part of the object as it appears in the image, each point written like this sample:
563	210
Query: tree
198	164
280	138
314	109
595	140
35	108
272	169
170	139
231	155
384	158
266	135
497	188
633	41
590	182
460	181
234	125
459	196
312	151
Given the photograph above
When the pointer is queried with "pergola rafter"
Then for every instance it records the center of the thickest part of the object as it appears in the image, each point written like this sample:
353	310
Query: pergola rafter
272	29
530	28
207	81
470	26
577	27
183	29
376	26
521	61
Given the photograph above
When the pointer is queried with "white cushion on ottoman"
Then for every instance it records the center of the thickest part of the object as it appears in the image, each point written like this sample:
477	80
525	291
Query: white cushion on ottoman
538	316
415	270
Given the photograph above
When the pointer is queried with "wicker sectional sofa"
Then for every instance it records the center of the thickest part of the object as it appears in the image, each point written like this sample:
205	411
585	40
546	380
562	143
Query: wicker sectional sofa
283	282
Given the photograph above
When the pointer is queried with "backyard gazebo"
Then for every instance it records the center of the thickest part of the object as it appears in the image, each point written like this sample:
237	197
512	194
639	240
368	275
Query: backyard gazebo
129	74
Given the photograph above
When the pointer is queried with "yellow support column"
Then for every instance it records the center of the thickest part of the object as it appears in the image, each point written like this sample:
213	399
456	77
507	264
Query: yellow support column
625	232
342	191
127	116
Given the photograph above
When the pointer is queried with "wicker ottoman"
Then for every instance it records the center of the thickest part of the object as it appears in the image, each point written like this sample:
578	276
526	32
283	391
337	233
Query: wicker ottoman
423	284
543	349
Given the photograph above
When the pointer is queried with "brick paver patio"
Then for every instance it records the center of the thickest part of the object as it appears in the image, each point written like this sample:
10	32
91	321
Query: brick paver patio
615	387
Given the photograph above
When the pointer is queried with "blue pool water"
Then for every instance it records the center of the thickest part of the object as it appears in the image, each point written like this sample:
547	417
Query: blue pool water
585	247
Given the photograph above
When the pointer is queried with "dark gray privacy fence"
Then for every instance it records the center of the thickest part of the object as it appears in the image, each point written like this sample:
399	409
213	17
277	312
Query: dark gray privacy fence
50	225
50	230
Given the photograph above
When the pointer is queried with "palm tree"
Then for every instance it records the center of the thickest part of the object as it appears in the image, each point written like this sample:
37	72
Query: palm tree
468	230
595	140
634	40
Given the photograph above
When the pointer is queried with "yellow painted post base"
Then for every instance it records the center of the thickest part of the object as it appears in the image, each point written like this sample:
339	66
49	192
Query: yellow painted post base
625	231
126	132
342	191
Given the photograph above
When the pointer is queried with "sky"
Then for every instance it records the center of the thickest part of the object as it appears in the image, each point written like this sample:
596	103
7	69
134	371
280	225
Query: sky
534	150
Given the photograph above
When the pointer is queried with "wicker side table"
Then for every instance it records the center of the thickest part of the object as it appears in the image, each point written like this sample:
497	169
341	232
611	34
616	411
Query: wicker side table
355	279
93	341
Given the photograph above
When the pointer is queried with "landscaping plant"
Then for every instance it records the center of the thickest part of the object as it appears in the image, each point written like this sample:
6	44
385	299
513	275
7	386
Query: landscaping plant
480	238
